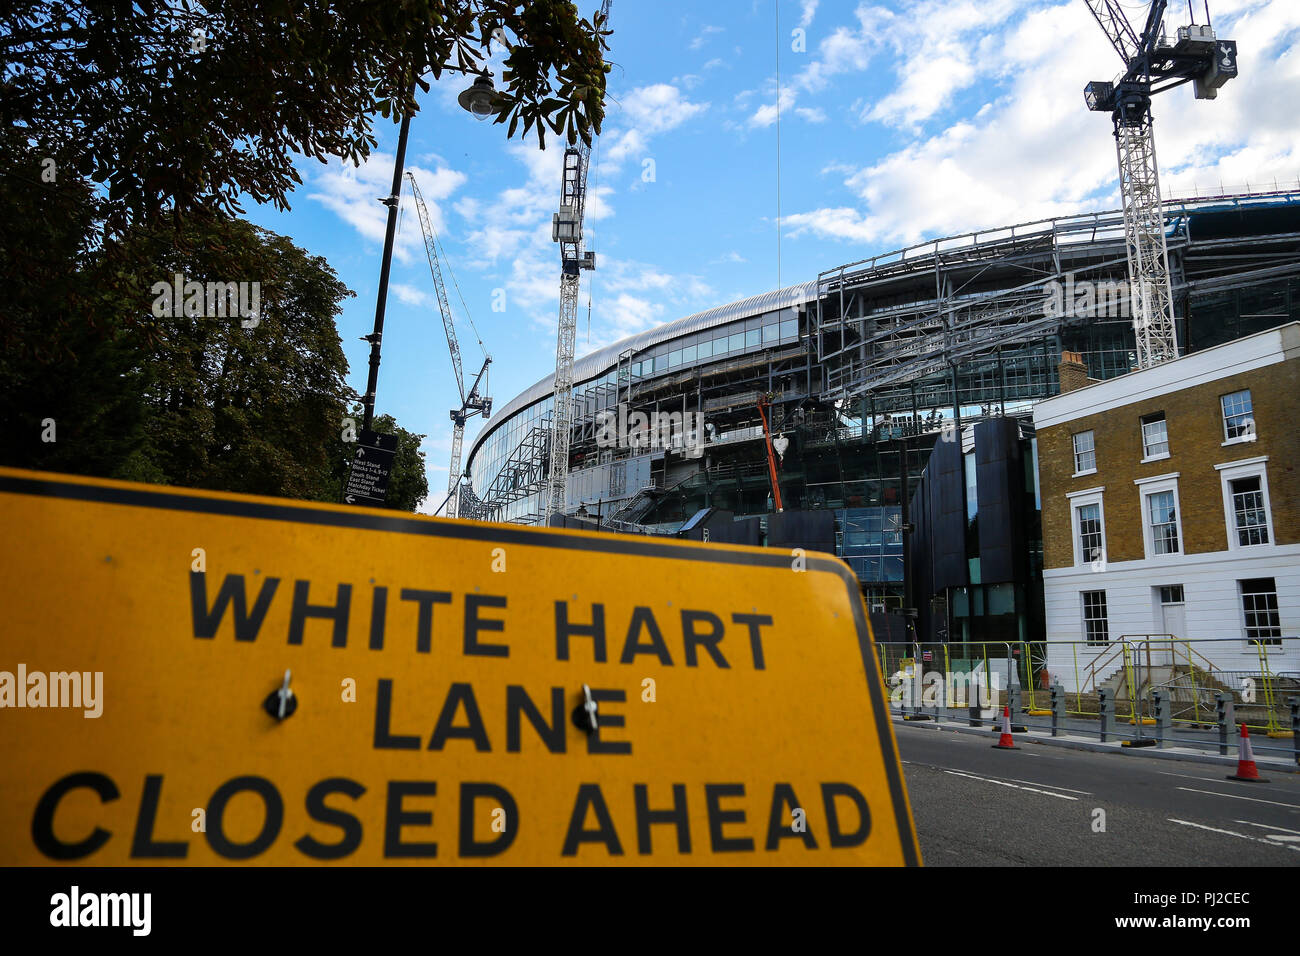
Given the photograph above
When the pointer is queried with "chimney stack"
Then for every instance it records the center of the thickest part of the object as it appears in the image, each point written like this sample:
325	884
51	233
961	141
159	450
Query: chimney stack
1073	373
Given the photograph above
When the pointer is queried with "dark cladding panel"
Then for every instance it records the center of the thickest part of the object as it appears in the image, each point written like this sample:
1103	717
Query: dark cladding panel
810	530
888	628
947	516
921	566
723	530
998	476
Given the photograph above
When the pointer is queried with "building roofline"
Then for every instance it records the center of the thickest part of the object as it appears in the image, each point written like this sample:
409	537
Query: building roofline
603	360
1259	349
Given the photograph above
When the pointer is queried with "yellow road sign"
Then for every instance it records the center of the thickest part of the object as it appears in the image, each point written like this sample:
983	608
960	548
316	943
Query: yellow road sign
436	710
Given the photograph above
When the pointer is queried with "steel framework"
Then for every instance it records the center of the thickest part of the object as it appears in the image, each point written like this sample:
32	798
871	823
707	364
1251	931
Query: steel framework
473	403
1148	59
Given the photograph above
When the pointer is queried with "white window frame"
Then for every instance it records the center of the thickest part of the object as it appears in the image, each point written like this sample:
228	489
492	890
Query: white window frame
1250	642
1078	499
1245	468
1075	450
1251	431
1142	429
1155	485
1083	618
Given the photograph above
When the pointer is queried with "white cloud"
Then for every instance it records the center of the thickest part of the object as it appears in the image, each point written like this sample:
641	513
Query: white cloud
808	11
766	114
352	193
940	47
630	297
657	108
1032	150
813	114
644	112
844	50
702	37
410	294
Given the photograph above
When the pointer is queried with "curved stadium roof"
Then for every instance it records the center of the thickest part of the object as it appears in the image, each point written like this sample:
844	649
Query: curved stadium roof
599	362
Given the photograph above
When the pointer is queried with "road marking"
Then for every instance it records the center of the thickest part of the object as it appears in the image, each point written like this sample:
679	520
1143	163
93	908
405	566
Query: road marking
1188	776
1216	780
913	763
1265	826
1086	793
1283	834
1013	786
1233	796
1243	836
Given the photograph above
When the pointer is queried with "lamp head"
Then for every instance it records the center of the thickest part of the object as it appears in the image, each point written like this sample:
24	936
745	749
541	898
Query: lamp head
477	100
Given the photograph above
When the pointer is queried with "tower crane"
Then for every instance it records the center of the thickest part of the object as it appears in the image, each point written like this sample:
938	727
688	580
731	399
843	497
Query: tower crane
471	403
566	229
1152	65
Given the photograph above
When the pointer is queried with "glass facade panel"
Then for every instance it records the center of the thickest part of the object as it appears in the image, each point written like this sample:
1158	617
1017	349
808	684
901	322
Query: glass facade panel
872	542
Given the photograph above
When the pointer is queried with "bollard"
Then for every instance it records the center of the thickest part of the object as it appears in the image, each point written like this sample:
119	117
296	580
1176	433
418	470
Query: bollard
1295	725
1013	700
1105	710
1162	714
1058	707
973	715
1224	715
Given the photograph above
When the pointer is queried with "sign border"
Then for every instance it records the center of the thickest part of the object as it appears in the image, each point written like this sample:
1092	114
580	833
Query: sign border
227	504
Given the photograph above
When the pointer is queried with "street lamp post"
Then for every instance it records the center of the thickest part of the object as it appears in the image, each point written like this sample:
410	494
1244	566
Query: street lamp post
477	101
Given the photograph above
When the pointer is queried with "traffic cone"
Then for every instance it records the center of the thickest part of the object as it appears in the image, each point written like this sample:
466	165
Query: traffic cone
1006	741
1246	769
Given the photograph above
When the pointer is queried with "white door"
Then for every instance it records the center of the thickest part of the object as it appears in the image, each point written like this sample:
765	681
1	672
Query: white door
1174	622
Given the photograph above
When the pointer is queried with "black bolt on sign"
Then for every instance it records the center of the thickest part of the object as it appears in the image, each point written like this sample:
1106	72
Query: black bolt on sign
367	482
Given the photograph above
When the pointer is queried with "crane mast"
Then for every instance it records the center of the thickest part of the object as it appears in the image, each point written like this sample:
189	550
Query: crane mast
1152	65
472	403
566	229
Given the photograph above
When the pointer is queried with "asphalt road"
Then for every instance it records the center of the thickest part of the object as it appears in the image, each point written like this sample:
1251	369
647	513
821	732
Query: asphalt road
977	806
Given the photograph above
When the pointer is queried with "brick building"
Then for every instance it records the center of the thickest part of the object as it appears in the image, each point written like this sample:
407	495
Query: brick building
1171	505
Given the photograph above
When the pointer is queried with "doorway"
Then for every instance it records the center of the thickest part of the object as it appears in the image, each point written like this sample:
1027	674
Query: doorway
1173	618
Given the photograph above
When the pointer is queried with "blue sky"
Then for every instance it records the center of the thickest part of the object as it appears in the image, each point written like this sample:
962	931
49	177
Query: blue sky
900	120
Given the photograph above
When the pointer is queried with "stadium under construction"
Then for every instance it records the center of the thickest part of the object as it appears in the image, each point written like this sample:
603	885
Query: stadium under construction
858	374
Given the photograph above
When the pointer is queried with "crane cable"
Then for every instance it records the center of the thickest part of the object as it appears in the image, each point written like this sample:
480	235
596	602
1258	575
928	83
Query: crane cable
459	295
591	280
776	8
446	261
